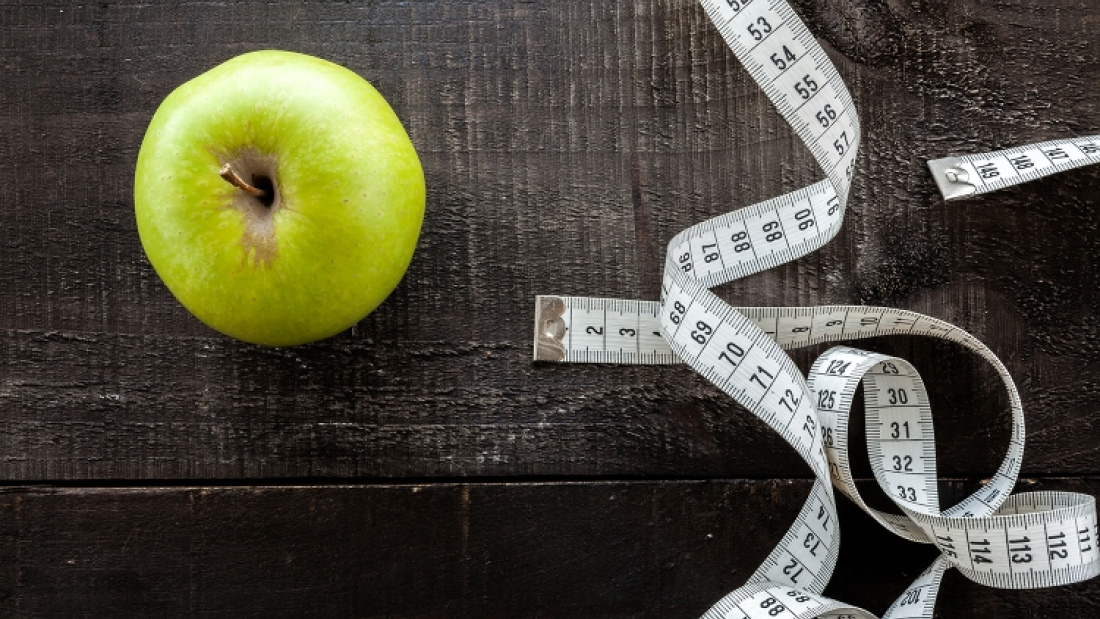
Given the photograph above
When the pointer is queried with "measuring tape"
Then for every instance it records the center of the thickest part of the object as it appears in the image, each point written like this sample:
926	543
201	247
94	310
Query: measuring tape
959	177
992	537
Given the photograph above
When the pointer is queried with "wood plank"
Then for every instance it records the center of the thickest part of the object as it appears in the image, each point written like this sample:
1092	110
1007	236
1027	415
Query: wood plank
610	549
81	406
564	145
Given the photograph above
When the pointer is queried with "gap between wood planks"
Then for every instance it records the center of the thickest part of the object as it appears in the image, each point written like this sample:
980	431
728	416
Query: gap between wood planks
353	482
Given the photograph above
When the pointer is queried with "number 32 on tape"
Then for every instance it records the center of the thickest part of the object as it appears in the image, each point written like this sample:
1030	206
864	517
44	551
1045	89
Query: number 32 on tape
993	537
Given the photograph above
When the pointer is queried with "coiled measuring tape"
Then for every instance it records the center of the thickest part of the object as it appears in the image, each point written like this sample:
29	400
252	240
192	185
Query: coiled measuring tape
995	538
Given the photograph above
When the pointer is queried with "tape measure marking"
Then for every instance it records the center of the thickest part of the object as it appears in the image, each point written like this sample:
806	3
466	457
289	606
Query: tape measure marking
740	350
898	427
959	177
600	331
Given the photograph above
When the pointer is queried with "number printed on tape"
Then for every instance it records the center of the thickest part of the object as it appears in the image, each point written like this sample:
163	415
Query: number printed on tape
993	537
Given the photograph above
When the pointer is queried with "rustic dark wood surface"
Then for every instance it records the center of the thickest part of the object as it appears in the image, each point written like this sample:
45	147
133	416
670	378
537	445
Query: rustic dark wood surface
420	465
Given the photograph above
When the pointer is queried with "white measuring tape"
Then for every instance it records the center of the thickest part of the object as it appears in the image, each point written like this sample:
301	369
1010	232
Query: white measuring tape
958	177
1001	540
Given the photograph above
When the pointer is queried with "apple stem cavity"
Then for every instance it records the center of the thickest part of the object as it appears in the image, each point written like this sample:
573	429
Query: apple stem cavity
230	175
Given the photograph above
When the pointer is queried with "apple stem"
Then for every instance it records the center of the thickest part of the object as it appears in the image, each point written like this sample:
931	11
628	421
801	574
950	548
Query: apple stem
229	174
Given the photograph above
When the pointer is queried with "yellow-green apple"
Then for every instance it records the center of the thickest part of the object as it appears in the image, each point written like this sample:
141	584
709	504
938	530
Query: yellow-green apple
278	197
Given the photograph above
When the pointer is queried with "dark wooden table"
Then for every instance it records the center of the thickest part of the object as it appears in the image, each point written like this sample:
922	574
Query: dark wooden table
420	465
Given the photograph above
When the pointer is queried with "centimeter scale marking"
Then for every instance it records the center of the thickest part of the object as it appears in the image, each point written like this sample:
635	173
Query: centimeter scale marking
790	327
959	177
992	537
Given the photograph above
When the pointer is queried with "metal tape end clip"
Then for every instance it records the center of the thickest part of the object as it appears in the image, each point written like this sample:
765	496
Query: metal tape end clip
549	328
952	179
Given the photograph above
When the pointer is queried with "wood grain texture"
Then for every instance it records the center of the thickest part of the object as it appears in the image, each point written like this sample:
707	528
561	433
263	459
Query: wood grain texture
564	145
559	550
396	409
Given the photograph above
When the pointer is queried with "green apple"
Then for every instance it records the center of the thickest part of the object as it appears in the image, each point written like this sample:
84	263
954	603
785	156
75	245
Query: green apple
278	197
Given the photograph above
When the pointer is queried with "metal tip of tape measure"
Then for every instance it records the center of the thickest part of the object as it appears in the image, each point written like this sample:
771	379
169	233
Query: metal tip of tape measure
549	328
952	179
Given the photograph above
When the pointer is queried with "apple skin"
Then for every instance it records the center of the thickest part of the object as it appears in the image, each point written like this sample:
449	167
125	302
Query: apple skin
348	206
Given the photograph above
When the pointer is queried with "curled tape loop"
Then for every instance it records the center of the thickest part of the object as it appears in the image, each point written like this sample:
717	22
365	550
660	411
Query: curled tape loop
992	537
